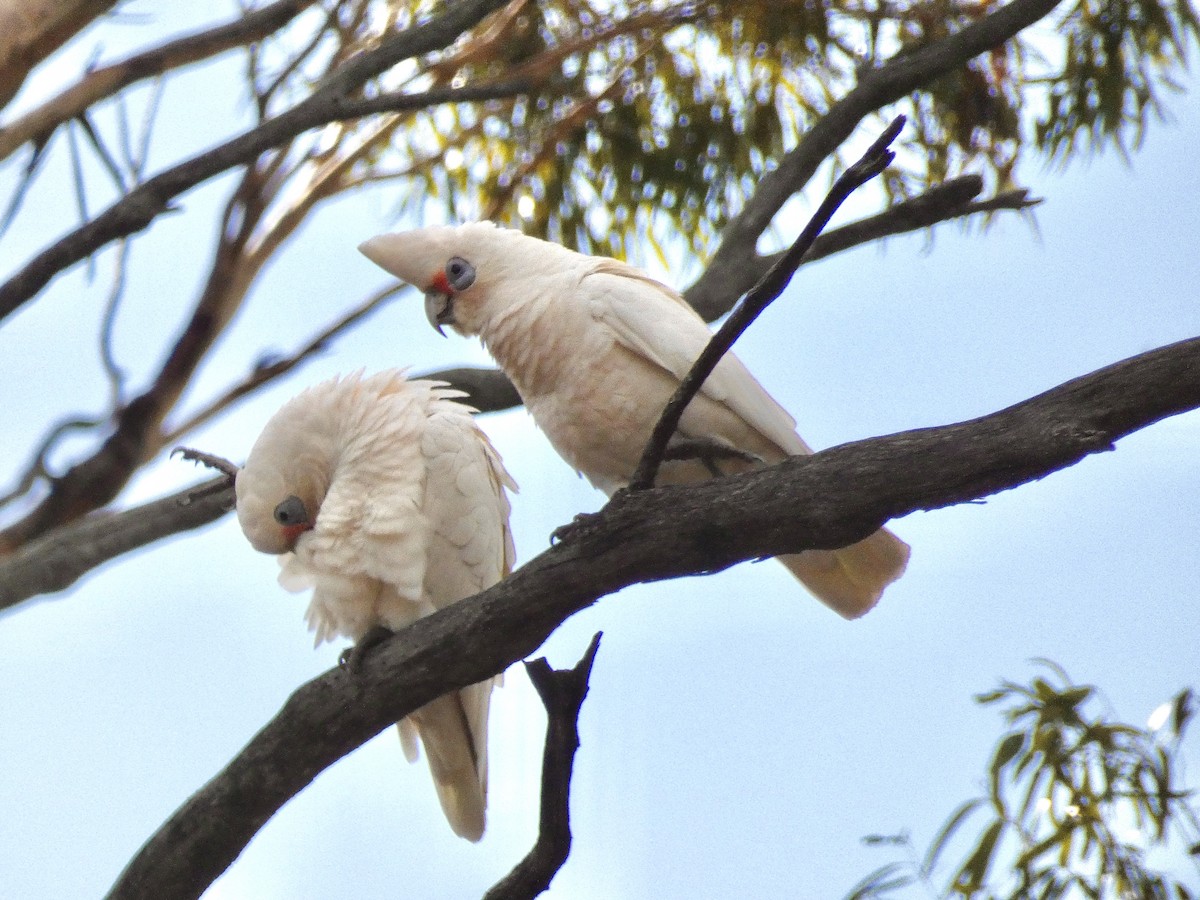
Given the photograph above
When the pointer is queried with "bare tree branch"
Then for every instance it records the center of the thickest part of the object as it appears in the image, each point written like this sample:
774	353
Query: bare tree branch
942	203
876	88
487	390
562	692
824	501
267	372
877	158
58	560
108	80
242	250
401	102
137	432
143	204
32	30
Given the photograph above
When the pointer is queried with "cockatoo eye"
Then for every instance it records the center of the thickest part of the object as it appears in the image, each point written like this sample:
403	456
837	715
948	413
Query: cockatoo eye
460	273
291	512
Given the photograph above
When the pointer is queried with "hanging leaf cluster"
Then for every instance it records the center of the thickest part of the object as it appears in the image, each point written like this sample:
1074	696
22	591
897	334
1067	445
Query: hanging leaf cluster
1077	805
655	119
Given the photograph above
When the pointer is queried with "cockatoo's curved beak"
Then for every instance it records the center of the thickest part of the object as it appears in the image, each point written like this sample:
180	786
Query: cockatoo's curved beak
439	309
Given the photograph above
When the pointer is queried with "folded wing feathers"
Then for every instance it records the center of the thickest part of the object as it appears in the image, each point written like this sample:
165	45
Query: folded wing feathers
658	324
415	518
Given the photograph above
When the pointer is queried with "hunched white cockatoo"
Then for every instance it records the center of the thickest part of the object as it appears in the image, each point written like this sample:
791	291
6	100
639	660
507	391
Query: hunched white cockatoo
384	496
595	348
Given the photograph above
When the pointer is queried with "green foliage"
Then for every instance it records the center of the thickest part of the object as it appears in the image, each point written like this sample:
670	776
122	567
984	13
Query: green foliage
1117	57
1075	804
657	118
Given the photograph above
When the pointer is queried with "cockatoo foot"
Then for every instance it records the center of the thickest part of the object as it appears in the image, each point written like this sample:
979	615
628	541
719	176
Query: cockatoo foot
707	452
352	658
207	459
574	528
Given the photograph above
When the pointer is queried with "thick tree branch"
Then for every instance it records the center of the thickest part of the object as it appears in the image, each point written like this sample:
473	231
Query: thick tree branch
56	561
827	500
30	31
107	80
563	692
141	206
875	160
876	88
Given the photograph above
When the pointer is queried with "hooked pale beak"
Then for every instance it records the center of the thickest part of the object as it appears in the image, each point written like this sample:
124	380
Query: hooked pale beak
439	309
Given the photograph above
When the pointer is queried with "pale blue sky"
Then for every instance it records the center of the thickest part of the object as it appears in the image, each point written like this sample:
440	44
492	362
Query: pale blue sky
739	738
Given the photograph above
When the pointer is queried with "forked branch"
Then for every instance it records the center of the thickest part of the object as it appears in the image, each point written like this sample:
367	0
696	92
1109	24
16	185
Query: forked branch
563	692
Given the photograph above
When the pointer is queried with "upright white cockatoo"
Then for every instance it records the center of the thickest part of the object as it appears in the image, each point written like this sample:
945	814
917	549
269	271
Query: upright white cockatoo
384	496
596	347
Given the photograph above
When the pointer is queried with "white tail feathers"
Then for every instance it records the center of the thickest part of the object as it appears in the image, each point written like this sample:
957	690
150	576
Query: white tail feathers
458	765
850	581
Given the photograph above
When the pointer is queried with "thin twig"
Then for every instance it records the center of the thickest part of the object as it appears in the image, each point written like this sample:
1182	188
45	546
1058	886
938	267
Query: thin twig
209	460
107	80
563	692
875	160
37	465
114	373
36	158
264	374
141	206
102	151
396	101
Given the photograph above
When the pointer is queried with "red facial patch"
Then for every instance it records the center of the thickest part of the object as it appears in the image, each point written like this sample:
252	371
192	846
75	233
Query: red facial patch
441	284
293	532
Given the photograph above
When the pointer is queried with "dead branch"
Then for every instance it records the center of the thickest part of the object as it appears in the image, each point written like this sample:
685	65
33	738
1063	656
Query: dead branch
563	692
141	206
32	30
108	80
877	158
58	560
824	501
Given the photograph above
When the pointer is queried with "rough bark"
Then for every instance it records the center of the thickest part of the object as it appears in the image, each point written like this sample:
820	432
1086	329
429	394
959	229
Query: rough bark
827	500
30	30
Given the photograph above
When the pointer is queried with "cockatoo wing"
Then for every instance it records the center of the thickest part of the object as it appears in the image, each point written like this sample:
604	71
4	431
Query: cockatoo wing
410	516
655	322
470	548
366	554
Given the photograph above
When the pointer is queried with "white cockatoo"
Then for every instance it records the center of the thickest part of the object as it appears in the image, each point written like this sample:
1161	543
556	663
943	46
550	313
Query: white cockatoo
596	347
385	498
